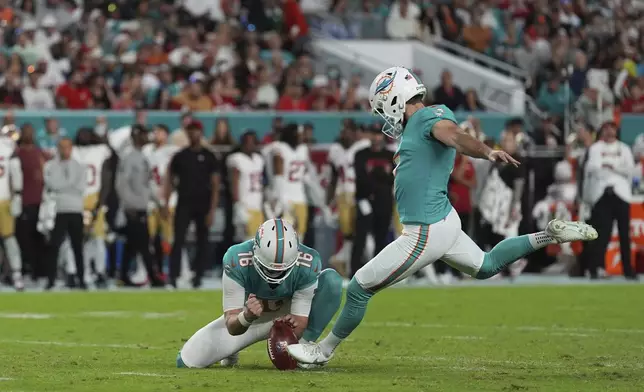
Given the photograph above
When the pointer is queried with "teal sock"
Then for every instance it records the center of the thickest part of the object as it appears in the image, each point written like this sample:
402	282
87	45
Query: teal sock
180	363
510	250
325	304
353	310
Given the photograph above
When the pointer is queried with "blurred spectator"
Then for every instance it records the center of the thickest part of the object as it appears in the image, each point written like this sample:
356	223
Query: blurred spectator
402	20
295	24
102	95
48	34
193	97
179	137
222	135
74	94
10	93
554	97
526	56
266	95
32	161
472	103
451	24
449	94
36	97
292	99
47	138
595	106
477	36
429	25
635	102
578	77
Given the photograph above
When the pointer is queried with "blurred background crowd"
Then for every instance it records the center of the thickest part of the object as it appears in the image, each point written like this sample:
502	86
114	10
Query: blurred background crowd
580	62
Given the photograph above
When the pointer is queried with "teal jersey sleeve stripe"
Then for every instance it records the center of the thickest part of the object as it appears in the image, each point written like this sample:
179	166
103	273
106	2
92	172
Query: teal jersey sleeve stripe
279	233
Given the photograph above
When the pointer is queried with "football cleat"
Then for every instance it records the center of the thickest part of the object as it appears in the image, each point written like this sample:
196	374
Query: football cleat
568	231
230	361
310	366
308	354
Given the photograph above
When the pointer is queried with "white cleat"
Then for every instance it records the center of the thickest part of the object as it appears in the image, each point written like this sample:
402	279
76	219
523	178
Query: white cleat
308	354
310	366
567	231
230	361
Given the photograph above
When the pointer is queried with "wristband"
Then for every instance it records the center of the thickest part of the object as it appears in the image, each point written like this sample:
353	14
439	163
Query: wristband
242	320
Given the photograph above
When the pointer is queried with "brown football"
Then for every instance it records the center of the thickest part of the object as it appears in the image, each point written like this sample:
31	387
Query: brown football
281	336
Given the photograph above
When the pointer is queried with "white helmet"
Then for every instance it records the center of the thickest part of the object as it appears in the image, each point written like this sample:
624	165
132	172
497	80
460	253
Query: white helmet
388	94
275	251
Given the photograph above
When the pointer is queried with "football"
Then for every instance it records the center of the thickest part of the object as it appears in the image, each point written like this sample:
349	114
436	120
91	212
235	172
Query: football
281	336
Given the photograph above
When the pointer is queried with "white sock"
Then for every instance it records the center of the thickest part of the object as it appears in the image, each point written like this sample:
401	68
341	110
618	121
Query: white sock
13	255
540	240
304	341
100	255
186	271
68	256
329	343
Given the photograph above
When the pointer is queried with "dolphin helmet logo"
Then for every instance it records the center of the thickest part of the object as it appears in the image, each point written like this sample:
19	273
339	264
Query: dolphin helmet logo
386	83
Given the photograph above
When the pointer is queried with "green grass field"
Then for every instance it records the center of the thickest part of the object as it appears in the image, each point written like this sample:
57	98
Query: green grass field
558	338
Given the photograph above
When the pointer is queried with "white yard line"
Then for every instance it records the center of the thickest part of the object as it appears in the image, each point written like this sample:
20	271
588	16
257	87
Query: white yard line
527	328
74	344
6	379
144	374
32	316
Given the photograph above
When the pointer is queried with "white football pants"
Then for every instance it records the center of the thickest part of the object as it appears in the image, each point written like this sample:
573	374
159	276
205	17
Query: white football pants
418	247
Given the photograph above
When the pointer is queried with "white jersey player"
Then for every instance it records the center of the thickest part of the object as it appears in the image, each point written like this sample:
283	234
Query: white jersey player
159	153
345	193
246	174
93	156
295	180
10	201
290	162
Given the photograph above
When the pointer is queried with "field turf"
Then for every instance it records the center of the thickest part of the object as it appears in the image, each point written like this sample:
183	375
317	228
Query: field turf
513	338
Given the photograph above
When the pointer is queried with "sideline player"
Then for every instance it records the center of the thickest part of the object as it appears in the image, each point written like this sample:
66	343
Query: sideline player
342	161
158	154
93	155
265	278
246	168
290	159
10	201
430	138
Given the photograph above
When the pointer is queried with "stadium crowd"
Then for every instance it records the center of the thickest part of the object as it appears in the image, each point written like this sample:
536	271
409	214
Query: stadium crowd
583	61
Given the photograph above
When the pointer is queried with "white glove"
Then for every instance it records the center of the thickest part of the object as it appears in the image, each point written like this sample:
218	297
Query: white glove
16	206
329	218
240	215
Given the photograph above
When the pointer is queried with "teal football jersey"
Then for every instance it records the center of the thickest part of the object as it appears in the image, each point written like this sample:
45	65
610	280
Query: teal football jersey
423	167
238	265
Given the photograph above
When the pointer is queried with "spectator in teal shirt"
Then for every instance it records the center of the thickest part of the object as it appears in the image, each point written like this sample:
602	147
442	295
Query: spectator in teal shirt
48	137
553	97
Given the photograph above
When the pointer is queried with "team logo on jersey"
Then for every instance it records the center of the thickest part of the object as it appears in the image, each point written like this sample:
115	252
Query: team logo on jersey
385	84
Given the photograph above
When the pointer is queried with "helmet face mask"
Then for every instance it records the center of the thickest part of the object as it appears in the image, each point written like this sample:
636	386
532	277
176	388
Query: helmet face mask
389	93
275	251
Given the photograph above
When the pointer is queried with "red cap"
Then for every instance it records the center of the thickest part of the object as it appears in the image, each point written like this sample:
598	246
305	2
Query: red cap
195	124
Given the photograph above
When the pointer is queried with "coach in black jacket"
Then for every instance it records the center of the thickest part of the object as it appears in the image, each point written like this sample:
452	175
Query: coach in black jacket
374	196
